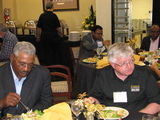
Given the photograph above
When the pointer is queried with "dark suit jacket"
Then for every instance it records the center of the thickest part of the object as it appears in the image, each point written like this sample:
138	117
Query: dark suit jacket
36	90
87	46
146	43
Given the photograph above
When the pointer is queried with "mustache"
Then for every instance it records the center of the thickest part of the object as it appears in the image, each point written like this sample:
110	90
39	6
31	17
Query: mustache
25	72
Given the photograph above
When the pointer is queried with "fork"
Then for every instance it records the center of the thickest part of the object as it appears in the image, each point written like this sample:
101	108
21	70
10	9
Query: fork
27	108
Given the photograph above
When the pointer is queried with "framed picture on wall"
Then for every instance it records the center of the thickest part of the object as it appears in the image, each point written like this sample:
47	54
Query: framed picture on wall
63	5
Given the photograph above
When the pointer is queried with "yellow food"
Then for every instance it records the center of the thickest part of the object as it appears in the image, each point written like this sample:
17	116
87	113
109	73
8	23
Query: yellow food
102	63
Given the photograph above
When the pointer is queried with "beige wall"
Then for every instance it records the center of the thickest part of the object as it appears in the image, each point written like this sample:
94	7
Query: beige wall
103	14
141	9
31	9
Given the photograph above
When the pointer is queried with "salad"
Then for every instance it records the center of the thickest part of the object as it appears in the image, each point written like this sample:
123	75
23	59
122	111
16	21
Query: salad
32	115
91	60
114	113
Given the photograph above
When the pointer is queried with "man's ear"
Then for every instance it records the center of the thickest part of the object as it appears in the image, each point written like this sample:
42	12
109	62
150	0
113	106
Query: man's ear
11	57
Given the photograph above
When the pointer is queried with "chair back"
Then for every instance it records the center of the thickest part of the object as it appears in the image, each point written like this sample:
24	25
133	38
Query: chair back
74	51
60	67
61	88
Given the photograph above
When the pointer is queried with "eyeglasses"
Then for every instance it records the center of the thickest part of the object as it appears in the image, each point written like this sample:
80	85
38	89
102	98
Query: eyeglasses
154	31
99	33
124	64
23	65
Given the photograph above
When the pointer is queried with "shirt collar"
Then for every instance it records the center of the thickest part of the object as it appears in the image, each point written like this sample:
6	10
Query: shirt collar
156	39
14	75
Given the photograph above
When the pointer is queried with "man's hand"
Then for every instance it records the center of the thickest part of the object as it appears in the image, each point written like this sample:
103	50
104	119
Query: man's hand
91	100
106	42
11	99
137	50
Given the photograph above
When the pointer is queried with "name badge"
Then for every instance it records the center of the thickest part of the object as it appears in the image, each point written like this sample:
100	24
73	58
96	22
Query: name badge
120	97
135	88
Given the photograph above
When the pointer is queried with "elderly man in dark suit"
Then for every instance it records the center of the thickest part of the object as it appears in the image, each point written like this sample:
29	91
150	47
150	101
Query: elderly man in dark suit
22	80
92	41
151	42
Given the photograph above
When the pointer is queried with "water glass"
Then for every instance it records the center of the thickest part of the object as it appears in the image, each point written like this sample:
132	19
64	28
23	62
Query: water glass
156	52
147	117
150	58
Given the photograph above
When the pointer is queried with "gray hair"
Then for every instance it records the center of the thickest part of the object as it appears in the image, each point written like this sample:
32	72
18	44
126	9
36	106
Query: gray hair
49	5
24	47
3	27
119	50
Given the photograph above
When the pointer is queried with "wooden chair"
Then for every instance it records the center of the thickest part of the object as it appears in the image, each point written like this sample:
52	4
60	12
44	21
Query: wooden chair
74	51
62	87
62	67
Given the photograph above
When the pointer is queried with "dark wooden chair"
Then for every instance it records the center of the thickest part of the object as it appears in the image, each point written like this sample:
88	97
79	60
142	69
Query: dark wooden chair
62	87
74	51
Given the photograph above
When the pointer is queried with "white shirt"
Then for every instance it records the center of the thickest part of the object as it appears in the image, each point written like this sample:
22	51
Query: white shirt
154	45
18	84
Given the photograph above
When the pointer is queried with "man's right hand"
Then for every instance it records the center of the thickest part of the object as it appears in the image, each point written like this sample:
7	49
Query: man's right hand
11	99
106	42
91	100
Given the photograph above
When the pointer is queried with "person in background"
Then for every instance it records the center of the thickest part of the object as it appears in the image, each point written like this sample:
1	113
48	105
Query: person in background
151	42
21	80
124	84
92	41
8	42
49	34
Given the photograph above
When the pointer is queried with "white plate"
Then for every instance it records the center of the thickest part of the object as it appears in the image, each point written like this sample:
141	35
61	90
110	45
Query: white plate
141	63
116	108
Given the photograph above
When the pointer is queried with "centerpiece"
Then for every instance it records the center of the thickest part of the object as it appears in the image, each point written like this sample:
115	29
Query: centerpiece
90	110
90	20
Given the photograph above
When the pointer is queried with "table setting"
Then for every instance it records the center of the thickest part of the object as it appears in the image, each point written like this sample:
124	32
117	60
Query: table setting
60	111
81	109
149	57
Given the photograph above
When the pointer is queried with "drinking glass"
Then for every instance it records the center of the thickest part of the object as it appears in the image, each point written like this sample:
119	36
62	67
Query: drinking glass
150	58
98	51
147	117
76	109
156	52
142	57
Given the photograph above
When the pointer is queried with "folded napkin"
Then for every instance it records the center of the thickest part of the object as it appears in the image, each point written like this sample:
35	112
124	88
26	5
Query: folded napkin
60	111
102	63
136	57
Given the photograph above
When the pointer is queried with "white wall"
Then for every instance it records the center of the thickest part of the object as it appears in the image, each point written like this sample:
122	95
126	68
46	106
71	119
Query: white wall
103	17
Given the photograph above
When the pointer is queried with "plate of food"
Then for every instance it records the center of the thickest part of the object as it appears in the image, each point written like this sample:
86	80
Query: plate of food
113	113
32	115
91	60
103	53
145	53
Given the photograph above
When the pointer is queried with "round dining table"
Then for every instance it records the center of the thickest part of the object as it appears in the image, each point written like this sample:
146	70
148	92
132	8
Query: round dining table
86	73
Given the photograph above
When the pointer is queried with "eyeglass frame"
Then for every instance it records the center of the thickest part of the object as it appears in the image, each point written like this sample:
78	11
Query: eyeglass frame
99	33
151	31
23	65
130	62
